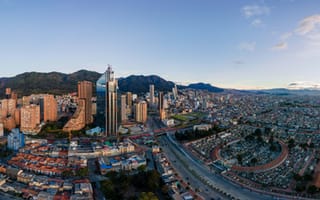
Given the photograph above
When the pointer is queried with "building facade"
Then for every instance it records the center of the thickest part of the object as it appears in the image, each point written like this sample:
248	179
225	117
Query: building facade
111	103
30	117
141	112
50	108
85	92
16	140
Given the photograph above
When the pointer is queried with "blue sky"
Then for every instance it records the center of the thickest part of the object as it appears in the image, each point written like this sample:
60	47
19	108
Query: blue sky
233	44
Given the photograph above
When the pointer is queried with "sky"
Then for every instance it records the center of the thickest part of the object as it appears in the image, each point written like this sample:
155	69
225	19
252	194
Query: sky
244	44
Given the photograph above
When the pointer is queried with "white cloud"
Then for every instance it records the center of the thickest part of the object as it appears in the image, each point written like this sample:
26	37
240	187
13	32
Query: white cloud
254	10
256	23
280	46
286	36
247	46
308	25
299	85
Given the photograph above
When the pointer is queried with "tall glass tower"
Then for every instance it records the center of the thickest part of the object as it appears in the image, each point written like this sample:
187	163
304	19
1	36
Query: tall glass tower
101	100
111	103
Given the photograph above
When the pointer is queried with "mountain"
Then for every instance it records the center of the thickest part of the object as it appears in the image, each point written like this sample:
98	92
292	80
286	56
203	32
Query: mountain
205	86
60	83
53	82
140	84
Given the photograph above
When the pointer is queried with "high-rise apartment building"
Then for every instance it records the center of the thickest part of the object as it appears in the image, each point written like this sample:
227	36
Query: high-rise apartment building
30	117
85	92
141	112
151	91
161	106
124	114
1	129
111	103
50	108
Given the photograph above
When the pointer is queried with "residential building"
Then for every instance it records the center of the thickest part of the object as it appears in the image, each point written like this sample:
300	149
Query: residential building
141	112
30	117
85	93
50	108
124	114
1	129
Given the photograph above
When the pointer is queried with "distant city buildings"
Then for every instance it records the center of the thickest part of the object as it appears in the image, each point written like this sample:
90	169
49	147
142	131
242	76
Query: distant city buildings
85	93
16	140
111	103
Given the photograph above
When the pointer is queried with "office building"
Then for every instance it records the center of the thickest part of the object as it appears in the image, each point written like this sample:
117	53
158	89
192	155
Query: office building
30	117
141	112
85	92
111	103
101	101
16	140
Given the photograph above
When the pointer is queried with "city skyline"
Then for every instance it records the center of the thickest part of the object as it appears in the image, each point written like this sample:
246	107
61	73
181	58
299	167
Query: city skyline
243	44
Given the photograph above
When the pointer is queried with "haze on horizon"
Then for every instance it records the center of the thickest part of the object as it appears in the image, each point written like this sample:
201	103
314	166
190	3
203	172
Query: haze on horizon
230	44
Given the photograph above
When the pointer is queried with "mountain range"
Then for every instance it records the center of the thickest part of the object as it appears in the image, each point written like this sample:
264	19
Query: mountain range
61	83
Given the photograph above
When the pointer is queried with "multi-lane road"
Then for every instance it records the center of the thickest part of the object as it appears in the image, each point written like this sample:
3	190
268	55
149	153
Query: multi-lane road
211	185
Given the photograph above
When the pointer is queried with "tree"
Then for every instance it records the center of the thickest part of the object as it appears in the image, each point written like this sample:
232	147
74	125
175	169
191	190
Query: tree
312	189
291	143
153	179
239	158
147	196
83	172
142	168
254	161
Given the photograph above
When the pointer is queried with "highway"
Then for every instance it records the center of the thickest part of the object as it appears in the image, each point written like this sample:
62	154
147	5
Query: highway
209	181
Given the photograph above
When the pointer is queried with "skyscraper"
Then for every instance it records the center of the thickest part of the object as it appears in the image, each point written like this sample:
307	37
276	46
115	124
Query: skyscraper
141	112
124	114
151	91
101	101
50	108
111	103
85	92
175	92
161	106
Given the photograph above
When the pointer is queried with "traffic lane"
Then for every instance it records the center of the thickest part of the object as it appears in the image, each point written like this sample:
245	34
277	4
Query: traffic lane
188	177
219	182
